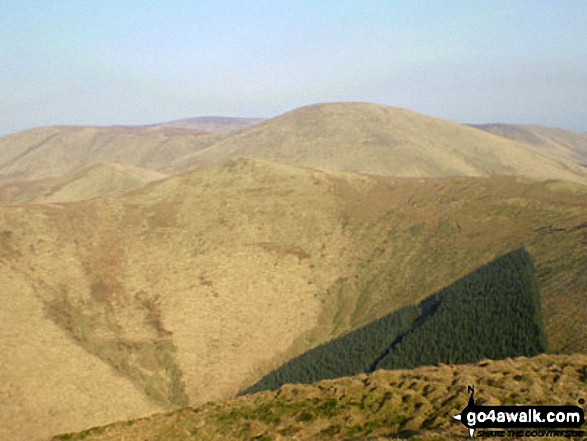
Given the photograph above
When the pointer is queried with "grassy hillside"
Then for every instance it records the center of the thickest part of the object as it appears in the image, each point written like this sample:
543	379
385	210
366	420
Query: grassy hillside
56	151
348	137
193	287
414	404
564	143
373	139
493	313
48	383
90	182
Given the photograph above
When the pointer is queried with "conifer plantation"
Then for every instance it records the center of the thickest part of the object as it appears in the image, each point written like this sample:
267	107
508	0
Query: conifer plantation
493	312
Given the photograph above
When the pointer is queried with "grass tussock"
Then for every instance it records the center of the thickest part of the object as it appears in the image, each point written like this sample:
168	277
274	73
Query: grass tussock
404	404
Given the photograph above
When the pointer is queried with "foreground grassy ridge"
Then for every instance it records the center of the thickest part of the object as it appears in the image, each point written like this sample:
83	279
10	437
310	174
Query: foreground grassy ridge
416	404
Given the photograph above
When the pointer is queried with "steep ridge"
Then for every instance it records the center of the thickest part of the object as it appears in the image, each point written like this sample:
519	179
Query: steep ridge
413	404
564	143
195	286
374	139
92	181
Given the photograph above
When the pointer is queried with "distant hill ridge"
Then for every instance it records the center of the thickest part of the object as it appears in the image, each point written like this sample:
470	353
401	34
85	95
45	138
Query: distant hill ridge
348	137
380	140
564	143
212	123
98	179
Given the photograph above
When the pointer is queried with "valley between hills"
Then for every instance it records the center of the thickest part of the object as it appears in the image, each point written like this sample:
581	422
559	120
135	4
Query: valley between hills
167	268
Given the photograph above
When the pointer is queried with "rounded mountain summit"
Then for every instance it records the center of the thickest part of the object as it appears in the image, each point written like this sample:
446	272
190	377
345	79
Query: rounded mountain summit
374	139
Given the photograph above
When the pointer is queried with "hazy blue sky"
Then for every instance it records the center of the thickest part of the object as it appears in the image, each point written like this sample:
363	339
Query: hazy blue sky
138	62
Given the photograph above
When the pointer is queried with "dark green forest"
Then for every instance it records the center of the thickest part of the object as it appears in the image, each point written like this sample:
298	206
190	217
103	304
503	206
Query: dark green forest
493	312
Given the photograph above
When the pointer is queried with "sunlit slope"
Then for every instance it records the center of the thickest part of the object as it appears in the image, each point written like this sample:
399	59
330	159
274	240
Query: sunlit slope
374	139
564	143
408	404
349	137
56	151
87	183
184	284
195	286
48	383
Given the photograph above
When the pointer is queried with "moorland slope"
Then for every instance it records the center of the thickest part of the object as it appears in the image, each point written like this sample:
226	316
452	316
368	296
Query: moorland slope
193	287
380	140
564	143
89	182
349	137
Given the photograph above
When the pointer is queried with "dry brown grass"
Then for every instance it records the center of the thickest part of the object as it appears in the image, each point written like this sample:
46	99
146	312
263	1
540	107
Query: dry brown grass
90	182
169	285
348	137
567	144
373	139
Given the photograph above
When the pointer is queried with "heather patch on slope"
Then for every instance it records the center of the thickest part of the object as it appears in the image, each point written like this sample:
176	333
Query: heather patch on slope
493	312
150	362
416	404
